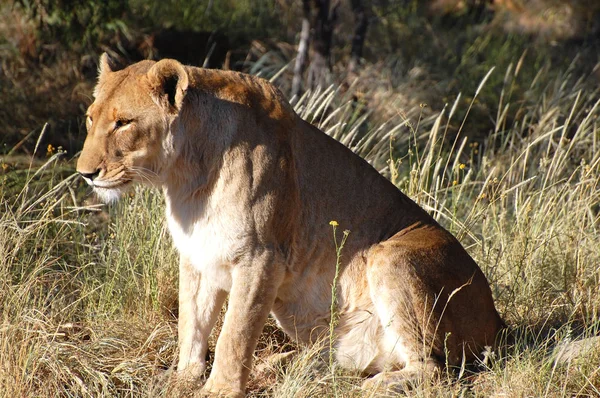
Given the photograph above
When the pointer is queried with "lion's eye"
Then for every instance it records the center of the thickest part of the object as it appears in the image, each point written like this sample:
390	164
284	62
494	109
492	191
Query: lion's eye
121	123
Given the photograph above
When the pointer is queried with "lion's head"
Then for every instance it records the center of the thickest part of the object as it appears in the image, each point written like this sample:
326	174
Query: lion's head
129	124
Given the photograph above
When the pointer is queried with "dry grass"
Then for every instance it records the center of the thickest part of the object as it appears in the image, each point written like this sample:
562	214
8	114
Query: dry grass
88	294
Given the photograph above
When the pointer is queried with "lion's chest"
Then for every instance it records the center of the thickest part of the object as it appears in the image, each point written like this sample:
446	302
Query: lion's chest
208	240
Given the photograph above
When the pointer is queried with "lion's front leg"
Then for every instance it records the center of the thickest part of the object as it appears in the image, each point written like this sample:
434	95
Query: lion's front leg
253	291
199	305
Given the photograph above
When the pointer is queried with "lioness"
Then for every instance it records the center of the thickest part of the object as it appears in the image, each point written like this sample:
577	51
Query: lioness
250	189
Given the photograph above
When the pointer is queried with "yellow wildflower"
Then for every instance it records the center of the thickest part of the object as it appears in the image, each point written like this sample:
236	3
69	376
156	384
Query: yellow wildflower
50	150
462	166
333	223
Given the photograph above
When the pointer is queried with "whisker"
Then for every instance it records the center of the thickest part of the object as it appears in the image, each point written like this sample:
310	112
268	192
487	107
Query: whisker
144	170
144	173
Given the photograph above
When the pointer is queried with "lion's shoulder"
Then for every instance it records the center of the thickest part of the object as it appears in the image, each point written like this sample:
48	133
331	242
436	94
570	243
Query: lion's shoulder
240	88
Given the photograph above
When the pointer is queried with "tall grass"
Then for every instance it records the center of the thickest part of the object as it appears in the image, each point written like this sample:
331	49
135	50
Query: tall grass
81	310
88	294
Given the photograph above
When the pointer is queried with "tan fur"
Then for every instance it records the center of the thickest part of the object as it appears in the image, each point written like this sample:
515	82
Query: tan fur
250	189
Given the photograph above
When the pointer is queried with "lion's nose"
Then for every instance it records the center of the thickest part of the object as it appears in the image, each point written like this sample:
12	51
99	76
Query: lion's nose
89	177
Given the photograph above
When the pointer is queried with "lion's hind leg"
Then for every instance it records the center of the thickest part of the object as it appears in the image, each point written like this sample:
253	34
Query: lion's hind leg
408	342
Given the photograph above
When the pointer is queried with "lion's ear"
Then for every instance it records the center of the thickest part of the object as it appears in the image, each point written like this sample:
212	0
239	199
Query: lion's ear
107	64
168	82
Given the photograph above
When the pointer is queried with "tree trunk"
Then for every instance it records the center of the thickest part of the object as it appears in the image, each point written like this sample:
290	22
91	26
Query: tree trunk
358	40
302	56
320	65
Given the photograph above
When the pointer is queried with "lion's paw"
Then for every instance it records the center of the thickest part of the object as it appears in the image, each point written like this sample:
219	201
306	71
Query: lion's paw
215	389
393	382
192	371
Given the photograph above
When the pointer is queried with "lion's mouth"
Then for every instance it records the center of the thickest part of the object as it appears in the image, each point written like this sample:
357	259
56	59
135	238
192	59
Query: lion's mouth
111	184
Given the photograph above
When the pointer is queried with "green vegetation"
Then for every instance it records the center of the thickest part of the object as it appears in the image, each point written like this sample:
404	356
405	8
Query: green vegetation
504	151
